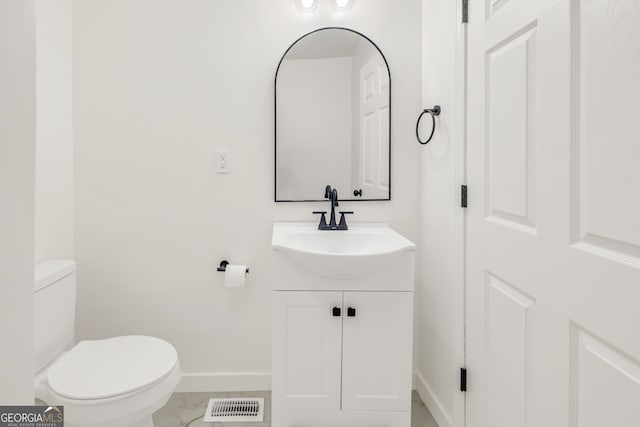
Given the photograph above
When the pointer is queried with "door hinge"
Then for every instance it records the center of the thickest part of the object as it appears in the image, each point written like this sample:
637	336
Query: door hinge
463	379
463	196
465	11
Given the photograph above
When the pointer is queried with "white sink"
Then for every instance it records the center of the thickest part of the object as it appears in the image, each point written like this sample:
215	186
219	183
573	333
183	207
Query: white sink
346	254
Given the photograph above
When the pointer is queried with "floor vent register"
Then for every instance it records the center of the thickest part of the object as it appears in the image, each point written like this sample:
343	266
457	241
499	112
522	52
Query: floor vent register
235	409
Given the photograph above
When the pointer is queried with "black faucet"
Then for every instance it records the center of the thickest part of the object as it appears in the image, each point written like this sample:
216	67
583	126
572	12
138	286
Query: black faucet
332	195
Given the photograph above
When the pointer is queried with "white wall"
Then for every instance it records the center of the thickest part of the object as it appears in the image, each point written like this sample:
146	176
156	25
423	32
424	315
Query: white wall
17	142
441	290
54	132
311	153
158	87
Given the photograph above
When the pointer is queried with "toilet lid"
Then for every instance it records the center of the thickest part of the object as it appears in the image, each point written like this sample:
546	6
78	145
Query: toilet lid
111	367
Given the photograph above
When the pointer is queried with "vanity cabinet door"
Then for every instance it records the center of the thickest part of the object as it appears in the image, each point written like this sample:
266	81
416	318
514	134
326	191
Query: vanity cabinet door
307	332
377	351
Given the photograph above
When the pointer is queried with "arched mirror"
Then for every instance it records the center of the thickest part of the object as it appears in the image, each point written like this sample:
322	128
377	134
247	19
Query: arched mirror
333	115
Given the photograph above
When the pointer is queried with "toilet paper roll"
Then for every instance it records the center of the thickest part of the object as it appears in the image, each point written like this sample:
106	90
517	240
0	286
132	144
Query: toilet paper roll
235	276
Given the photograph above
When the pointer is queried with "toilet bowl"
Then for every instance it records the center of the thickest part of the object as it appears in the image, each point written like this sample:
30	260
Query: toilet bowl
113	382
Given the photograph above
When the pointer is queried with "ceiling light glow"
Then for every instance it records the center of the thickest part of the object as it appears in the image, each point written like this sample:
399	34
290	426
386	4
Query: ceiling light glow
306	6
343	5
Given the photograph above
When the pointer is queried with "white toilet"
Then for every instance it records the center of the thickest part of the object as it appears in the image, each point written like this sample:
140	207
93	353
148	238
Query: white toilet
115	382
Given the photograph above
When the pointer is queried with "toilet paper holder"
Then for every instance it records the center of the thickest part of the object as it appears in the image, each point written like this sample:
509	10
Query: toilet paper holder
223	265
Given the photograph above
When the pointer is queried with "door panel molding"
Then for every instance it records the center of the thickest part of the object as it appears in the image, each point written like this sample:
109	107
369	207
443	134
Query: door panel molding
510	186
597	367
604	166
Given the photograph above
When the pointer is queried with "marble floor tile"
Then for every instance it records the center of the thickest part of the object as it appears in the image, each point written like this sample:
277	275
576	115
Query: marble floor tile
187	410
420	415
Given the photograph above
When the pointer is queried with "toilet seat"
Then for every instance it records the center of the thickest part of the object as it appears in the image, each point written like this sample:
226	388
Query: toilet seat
111	367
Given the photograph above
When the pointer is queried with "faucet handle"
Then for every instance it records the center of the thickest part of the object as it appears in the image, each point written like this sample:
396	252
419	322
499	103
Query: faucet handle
323	219
343	221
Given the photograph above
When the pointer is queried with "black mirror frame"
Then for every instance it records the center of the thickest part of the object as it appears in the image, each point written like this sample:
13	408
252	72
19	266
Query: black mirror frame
275	115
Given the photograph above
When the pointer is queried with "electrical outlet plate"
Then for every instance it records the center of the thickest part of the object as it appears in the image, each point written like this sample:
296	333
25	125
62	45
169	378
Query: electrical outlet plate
223	161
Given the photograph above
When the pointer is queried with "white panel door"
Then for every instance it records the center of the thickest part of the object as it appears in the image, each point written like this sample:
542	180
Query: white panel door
377	342
553	224
374	129
306	350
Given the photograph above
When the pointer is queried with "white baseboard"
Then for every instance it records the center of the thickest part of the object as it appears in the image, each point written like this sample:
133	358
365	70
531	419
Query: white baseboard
224	381
432	402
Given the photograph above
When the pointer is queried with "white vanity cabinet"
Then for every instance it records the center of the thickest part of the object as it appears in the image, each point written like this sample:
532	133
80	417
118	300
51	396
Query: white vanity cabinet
342	327
377	351
307	350
343	353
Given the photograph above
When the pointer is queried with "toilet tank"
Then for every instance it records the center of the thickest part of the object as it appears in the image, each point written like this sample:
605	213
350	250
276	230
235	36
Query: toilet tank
54	309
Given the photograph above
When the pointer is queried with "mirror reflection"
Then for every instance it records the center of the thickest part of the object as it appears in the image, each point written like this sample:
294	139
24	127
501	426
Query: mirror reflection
332	118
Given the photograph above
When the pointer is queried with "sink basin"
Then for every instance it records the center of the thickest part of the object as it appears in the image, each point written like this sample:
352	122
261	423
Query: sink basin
348	254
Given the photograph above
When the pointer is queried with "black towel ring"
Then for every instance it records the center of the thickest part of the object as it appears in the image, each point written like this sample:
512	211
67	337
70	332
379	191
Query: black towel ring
435	111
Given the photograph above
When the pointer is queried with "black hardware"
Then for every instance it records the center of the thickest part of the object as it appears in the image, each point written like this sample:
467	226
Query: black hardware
463	196
435	111
337	312
465	11
327	192
357	193
323	219
463	379
332	195
275	99
343	221
351	312
223	266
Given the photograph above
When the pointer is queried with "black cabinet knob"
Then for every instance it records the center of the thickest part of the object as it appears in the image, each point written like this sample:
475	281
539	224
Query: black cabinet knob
337	312
351	312
357	192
